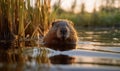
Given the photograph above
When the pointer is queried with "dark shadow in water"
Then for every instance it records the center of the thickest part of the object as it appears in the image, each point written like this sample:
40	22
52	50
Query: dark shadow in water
62	59
62	47
8	45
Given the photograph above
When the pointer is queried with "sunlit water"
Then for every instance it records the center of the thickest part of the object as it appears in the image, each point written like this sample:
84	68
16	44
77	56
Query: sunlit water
97	50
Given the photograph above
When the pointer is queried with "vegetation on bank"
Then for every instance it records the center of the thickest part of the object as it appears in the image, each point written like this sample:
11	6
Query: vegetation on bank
107	16
98	19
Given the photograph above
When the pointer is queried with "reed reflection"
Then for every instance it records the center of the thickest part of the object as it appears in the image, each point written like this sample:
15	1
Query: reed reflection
13	60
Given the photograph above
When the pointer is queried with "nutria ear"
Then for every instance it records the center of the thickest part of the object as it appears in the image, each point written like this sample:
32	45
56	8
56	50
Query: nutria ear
71	23
53	23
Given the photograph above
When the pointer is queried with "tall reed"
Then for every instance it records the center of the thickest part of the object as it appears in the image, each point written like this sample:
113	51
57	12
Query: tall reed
5	21
19	18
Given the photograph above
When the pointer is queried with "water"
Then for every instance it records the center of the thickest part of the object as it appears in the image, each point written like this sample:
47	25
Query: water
97	50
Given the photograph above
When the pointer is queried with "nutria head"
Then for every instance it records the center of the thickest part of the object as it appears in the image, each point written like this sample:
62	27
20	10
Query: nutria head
62	29
61	35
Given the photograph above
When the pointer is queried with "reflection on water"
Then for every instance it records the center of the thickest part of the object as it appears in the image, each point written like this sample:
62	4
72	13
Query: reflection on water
89	55
106	37
36	59
62	59
11	58
16	60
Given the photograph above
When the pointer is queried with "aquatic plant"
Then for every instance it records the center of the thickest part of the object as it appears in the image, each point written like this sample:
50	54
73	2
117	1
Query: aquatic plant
19	19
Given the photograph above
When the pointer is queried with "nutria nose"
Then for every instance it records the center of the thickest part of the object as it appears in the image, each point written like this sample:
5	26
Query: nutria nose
63	31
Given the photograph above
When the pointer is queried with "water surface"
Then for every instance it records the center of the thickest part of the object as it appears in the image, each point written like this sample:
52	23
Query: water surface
97	50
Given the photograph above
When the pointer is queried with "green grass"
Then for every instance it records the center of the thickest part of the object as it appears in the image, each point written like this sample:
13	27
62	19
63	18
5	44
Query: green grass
95	19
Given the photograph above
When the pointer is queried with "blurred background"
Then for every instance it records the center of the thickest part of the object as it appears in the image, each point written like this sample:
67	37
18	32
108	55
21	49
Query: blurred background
85	13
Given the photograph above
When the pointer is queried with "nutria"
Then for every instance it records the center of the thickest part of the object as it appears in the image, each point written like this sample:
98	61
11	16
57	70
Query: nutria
62	33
